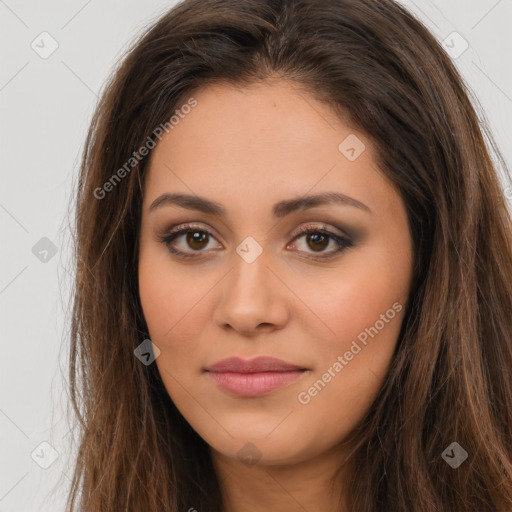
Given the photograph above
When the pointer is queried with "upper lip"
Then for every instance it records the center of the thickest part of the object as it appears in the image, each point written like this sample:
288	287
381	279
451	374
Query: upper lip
258	364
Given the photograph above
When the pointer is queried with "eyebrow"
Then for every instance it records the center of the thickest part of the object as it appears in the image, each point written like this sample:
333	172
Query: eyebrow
280	209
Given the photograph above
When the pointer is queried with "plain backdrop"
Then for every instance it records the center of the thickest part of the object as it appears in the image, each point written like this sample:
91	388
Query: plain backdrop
55	58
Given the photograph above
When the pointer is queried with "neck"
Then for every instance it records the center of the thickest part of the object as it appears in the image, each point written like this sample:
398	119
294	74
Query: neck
313	484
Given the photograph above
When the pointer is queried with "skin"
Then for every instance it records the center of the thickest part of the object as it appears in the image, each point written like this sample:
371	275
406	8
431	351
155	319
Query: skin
247	149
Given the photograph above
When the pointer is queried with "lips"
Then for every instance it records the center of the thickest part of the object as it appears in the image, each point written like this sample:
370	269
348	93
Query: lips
255	377
256	365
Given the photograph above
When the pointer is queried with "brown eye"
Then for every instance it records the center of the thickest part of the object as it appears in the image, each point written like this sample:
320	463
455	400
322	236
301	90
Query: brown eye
317	241
188	240
196	239
191	242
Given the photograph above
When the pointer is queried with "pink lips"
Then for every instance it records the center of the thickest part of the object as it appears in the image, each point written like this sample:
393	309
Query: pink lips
255	377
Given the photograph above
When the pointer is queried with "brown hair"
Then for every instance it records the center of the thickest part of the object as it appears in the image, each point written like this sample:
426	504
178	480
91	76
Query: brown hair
451	375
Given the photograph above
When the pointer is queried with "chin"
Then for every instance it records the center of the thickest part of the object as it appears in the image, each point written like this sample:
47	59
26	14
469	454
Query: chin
272	450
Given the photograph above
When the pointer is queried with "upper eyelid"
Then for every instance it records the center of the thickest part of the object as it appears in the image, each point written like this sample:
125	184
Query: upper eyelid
183	228
343	239
320	226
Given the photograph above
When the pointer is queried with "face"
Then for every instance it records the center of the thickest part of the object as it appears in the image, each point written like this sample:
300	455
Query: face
255	269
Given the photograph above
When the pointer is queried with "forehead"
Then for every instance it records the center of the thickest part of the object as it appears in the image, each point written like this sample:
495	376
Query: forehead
272	112
263	141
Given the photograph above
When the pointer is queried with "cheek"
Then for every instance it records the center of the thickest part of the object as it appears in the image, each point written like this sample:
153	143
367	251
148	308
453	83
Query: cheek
354	302
169	297
363	328
361	314
352	364
177	311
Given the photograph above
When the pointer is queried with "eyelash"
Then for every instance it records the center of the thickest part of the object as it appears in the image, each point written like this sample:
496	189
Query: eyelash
343	242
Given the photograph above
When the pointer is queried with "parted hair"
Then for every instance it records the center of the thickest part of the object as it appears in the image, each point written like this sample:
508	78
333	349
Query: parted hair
450	378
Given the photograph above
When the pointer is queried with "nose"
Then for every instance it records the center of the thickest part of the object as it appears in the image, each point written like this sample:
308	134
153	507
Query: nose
252	298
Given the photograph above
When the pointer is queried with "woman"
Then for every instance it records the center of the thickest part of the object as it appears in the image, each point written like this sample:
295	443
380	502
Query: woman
294	271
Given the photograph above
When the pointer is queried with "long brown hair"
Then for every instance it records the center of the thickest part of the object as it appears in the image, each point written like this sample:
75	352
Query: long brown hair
450	379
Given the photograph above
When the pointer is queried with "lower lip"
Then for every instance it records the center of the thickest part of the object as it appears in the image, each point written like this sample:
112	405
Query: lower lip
254	384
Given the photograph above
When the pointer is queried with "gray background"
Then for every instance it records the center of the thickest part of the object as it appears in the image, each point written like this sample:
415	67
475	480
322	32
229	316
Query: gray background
46	105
